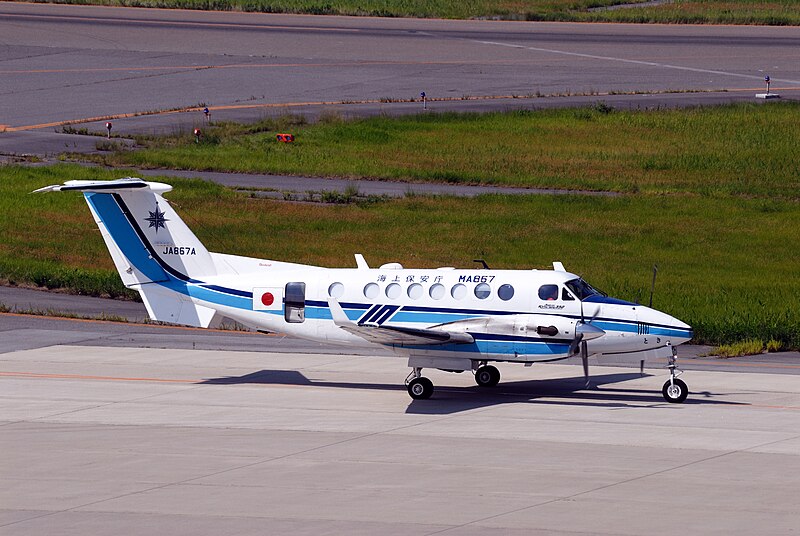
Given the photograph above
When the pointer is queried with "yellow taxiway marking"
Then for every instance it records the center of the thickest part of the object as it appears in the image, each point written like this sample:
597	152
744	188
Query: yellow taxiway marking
244	26
111	117
355	63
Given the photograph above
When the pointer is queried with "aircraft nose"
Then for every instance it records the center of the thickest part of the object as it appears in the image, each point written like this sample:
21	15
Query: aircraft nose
668	325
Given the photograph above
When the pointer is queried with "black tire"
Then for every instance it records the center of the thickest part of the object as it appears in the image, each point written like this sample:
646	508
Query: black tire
420	388
487	376
675	392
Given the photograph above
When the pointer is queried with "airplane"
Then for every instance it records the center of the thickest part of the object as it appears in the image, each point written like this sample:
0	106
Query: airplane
445	318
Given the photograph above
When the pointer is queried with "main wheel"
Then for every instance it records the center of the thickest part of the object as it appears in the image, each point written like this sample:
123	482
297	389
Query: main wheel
487	376
675	391
420	388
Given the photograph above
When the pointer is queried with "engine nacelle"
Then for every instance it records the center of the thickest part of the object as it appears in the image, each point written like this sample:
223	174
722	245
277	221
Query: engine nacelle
533	325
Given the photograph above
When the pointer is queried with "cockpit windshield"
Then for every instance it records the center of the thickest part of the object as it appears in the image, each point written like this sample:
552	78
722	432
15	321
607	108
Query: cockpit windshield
582	290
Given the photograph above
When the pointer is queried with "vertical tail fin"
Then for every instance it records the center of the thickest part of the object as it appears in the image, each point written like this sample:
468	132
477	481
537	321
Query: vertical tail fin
152	248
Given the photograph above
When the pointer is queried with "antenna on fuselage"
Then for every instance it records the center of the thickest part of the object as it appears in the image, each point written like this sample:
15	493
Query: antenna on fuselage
653	285
483	263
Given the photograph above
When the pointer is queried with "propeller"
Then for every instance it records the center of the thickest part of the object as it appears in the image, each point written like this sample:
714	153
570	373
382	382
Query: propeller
585	331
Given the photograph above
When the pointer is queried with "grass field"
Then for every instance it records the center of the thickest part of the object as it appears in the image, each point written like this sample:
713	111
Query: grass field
775	12
747	150
726	264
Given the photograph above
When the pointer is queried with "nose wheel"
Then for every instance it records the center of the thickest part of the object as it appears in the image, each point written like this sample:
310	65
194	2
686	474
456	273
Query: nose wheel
675	391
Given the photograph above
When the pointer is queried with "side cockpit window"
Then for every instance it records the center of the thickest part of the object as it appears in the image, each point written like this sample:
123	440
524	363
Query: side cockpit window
582	290
566	296
548	292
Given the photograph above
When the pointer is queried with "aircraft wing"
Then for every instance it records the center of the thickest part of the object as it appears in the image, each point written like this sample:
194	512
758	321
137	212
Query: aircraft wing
395	335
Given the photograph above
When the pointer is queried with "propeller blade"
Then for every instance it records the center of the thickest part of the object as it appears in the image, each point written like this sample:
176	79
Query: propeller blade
573	346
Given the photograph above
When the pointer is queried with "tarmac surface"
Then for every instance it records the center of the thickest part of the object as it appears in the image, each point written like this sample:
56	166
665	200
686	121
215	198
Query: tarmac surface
106	435
131	428
112	427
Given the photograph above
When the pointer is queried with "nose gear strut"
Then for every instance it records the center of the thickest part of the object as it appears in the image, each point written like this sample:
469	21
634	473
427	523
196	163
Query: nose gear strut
674	390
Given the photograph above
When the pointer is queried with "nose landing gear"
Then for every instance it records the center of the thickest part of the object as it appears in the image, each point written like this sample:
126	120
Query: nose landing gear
675	391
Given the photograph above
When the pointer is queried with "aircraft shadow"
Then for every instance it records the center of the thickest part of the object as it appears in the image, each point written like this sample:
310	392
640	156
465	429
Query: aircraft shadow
603	393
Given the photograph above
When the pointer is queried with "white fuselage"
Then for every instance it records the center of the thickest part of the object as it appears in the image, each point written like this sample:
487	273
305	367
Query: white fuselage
423	298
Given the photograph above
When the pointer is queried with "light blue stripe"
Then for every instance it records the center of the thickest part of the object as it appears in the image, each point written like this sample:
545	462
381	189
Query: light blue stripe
431	318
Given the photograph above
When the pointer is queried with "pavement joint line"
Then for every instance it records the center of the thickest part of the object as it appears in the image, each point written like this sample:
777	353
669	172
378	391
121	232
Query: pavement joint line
611	485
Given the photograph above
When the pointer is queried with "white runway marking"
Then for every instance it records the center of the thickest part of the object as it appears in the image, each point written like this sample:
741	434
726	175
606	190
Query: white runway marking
636	62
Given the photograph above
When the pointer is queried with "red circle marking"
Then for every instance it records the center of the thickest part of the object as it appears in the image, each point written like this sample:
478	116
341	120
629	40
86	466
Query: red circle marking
267	299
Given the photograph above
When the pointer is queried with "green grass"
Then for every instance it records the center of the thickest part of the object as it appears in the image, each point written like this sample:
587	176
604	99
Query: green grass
745	149
726	264
681	11
739	349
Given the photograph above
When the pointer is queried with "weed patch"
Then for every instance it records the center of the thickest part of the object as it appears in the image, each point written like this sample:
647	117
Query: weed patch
743	348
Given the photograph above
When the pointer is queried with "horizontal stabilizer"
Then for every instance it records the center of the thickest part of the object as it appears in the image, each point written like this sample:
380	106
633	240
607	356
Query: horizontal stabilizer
118	185
395	335
167	306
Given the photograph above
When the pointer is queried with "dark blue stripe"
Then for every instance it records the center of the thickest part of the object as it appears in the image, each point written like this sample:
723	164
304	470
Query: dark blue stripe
226	290
413	308
369	315
386	313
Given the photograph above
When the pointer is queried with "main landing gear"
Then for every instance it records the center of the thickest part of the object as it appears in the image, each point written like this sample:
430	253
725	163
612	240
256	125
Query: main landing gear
421	388
487	376
674	390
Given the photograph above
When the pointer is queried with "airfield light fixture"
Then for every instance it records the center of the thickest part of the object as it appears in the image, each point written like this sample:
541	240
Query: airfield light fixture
108	129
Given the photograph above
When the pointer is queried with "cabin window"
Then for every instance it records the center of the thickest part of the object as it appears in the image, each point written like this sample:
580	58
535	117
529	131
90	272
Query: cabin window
393	291
415	291
436	291
336	290
295	300
548	292
482	291
458	291
506	292
566	296
371	291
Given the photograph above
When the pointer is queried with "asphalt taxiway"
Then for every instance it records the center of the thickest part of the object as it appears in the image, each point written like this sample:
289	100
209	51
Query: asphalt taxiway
74	63
140	429
110	438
